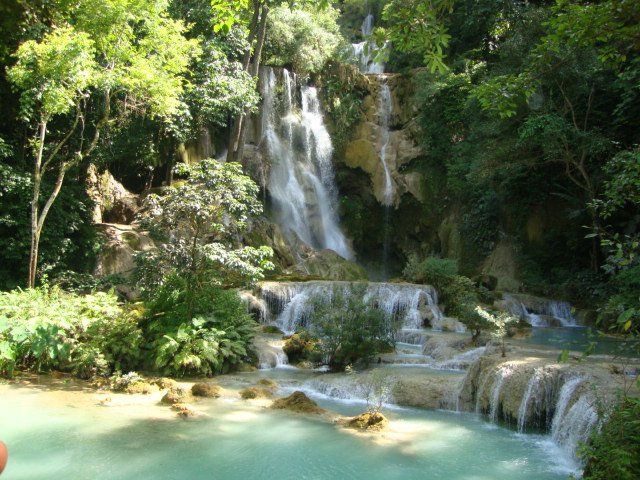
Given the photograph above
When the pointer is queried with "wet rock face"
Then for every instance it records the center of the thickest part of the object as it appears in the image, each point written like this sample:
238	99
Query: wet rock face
387	134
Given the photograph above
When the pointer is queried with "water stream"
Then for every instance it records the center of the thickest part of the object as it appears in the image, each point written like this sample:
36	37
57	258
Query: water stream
363	51
68	435
301	181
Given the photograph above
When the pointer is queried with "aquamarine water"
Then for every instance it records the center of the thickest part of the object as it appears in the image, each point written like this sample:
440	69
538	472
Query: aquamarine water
67	435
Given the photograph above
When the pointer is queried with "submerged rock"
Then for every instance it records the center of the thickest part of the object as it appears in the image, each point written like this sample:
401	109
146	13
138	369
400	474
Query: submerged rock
251	393
209	390
268	383
371	422
141	386
183	410
297	402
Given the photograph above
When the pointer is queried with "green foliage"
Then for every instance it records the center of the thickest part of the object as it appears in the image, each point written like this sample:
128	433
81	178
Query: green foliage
349	330
201	337
69	243
197	221
301	39
343	102
416	26
614	450
47	329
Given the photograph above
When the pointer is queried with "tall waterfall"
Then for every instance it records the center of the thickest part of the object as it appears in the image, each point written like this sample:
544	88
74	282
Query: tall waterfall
385	109
363	51
301	180
288	305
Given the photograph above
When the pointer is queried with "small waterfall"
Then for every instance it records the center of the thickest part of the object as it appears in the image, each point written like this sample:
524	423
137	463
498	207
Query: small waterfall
362	51
575	416
533	386
301	180
502	374
541	311
290	303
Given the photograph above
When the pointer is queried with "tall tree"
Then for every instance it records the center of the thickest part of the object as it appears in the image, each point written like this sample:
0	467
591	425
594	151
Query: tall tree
123	53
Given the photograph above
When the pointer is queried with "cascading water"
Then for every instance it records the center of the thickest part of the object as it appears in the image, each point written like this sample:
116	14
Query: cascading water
385	109
289	304
301	181
362	51
560	312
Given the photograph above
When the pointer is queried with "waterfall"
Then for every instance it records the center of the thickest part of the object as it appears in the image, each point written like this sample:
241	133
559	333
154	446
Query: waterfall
541	312
301	180
290	303
503	373
362	51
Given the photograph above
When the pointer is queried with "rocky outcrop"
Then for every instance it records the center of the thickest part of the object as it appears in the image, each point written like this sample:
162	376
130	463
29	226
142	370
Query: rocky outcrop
112	203
502	264
369	422
365	149
328	265
120	242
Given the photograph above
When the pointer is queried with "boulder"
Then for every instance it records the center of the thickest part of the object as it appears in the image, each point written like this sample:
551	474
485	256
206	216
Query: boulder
251	393
371	422
297	402
140	386
176	395
209	390
166	383
120	242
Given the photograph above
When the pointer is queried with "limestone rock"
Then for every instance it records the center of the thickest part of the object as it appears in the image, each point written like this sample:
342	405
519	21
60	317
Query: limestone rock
176	395
251	393
371	422
297	402
209	390
120	244
328	265
113	203
502	265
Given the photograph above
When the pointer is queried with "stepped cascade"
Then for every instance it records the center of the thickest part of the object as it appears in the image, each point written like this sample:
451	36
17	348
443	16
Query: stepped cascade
287	305
546	314
301	179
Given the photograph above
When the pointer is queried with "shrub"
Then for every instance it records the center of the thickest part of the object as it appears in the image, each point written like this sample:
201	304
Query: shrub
216	339
350	330
47	329
614	451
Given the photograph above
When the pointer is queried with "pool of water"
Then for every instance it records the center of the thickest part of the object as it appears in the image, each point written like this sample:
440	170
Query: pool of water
579	338
55	434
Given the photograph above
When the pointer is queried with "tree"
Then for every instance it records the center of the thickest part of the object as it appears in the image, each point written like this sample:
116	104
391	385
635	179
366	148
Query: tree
497	324
118	52
417	26
197	221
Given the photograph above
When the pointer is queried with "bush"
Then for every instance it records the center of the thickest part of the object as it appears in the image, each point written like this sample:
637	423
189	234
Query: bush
434	271
47	329
217	338
614	451
349	329
458	293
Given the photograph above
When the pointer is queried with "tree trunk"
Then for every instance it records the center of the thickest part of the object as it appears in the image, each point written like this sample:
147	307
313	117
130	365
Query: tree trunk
37	179
255	68
238	130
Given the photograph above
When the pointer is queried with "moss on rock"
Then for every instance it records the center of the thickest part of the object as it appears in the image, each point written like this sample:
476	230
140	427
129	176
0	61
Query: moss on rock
297	402
209	390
